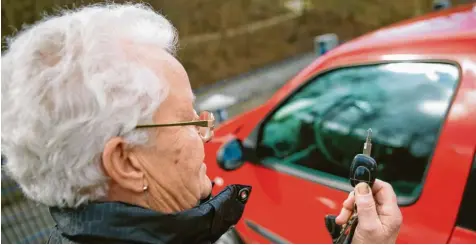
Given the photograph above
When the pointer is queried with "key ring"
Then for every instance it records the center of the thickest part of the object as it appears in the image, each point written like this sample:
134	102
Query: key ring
348	232
340	234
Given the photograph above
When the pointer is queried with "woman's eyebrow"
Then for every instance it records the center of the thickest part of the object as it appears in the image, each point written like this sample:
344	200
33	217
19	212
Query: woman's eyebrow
194	101
185	113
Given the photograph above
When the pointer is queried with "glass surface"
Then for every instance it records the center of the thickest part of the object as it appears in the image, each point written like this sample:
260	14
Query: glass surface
323	126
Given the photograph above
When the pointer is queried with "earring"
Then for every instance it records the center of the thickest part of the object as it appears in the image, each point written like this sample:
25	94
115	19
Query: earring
145	188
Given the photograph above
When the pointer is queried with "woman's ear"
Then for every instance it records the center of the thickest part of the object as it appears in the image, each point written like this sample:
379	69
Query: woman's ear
122	166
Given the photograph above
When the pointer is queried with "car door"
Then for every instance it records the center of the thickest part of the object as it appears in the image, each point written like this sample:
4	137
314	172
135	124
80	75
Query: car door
465	230
306	144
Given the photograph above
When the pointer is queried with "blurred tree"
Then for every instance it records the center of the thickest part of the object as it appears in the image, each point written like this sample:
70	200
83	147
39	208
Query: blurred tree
239	35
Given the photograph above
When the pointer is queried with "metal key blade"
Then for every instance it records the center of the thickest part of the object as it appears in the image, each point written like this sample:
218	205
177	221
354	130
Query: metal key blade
368	143
351	233
347	230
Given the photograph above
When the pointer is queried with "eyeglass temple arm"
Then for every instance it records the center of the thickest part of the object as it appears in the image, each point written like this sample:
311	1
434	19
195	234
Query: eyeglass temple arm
202	123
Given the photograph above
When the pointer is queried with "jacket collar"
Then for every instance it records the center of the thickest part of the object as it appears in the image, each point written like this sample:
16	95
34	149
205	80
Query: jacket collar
121	222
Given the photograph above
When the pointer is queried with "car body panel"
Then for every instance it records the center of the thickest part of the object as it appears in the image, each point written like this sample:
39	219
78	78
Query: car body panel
462	236
289	205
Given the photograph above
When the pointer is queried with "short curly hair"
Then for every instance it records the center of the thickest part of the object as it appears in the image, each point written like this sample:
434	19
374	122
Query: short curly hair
68	86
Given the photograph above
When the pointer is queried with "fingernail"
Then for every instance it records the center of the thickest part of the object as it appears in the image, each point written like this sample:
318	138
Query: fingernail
363	189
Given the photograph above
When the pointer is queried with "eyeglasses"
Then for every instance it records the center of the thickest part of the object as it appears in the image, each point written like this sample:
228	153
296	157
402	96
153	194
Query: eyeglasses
206	124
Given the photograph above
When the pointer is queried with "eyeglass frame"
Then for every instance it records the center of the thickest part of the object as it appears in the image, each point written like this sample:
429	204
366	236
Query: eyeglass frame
210	124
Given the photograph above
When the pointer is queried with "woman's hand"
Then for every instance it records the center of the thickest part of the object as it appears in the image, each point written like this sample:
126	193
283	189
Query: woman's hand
379	215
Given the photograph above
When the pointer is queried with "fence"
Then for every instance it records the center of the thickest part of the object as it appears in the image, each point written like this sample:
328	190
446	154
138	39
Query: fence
23	221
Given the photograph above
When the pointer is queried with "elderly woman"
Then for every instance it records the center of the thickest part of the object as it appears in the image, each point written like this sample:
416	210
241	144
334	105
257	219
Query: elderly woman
93	112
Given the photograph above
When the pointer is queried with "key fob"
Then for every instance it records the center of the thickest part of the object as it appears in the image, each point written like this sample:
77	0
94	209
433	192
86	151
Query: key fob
363	169
333	228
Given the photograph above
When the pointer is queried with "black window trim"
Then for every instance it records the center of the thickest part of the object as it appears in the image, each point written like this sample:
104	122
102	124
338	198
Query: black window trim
256	135
464	198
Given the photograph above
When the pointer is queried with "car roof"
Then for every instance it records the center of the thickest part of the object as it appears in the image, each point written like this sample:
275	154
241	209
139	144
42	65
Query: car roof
450	24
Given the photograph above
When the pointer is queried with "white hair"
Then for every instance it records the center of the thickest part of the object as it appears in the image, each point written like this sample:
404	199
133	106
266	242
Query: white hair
68	86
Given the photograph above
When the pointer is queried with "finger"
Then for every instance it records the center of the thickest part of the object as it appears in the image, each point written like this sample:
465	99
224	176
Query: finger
343	216
387	204
366	208
384	193
346	210
349	202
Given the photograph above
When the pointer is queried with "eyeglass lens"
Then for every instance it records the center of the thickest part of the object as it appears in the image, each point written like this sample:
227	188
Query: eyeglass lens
205	132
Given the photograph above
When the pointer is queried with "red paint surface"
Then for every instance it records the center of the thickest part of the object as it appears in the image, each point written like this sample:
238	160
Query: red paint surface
463	236
299	218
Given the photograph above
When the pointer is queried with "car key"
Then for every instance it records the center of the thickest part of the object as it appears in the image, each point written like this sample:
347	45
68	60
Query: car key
362	169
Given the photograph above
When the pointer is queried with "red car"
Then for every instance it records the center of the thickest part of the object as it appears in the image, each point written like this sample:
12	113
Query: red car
414	84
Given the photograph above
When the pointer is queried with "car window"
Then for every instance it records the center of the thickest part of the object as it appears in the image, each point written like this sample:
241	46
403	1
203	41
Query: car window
323	125
467	213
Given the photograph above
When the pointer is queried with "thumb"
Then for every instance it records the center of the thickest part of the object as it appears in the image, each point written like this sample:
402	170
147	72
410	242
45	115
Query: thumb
366	209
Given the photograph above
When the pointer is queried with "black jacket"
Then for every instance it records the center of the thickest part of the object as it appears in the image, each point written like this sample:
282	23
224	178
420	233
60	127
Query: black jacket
115	222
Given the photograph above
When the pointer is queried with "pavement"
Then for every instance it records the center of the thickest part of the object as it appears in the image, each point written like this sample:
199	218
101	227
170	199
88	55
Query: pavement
256	87
25	222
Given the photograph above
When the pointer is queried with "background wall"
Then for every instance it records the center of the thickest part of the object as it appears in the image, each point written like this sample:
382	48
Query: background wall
223	38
